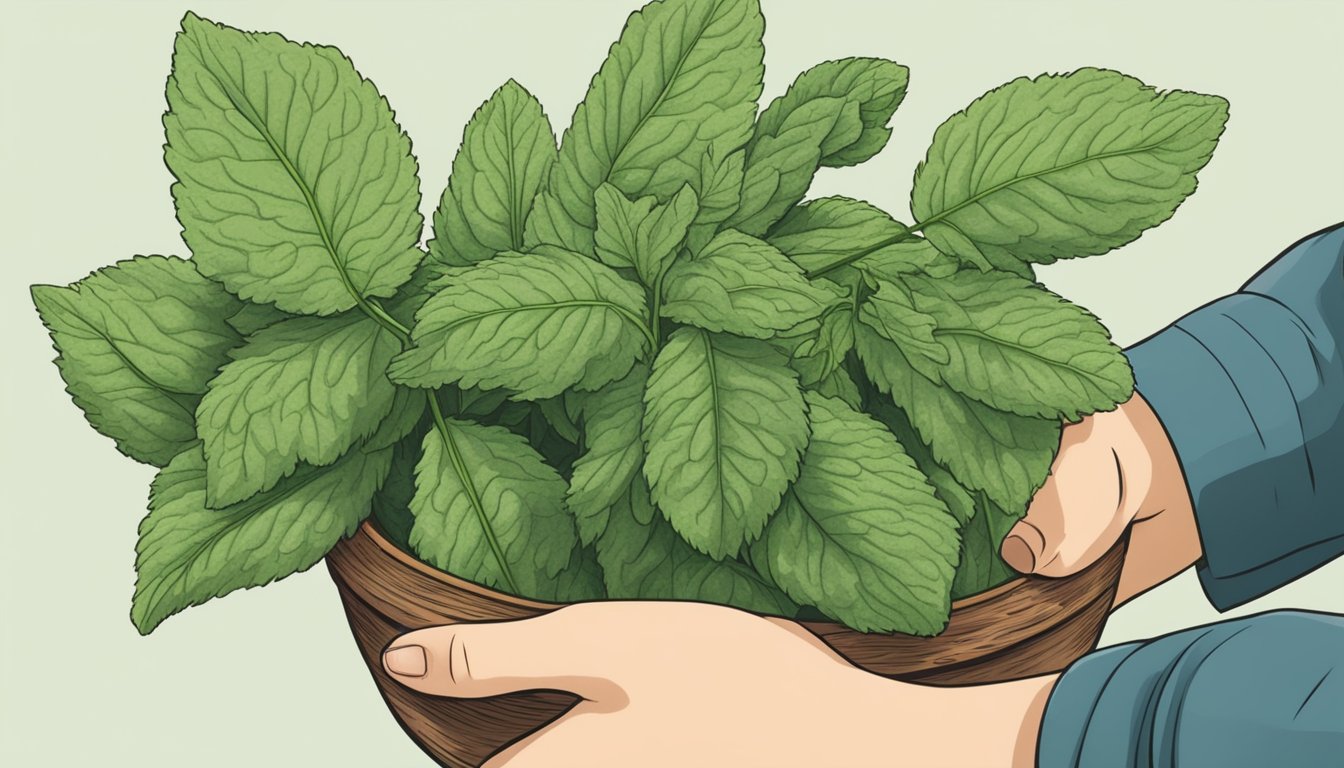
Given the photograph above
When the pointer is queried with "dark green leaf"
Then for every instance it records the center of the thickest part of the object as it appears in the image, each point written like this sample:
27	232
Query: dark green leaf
612	419
981	566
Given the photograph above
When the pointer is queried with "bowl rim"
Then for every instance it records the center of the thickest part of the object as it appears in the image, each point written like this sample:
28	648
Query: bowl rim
405	560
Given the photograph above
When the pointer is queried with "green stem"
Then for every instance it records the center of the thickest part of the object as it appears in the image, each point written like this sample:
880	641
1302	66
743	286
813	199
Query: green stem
656	314
905	234
459	466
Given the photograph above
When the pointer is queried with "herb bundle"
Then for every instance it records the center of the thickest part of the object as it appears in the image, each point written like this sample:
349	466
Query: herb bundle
638	365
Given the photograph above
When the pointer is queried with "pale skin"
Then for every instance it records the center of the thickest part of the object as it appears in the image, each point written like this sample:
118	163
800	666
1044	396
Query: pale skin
678	683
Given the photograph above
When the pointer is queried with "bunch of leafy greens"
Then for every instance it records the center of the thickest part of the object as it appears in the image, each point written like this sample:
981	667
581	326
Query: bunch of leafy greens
638	366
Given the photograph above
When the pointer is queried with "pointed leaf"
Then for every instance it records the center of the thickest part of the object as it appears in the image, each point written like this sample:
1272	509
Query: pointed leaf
743	286
536	324
1006	455
507	151
641	233
295	186
612	420
138	341
189	553
1020	348
1062	166
892	313
724	426
304	389
488	509
684	77
861	534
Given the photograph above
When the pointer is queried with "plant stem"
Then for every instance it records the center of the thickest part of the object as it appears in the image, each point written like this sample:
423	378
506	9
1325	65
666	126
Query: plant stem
460	467
844	261
656	313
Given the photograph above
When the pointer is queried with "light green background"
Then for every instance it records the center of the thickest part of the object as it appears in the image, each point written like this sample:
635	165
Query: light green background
271	677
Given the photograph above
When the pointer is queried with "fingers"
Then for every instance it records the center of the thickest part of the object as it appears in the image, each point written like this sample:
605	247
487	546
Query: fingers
1079	513
552	651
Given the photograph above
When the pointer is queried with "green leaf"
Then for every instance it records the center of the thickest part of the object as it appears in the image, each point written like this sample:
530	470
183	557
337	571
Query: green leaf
720	191
295	186
612	420
1017	347
831	230
536	324
840	385
912	256
304	389
138	342
861	534
189	552
877	85
683	78
507	151
407	411
391	505
253	317
982	567
642	234
488	509
893	315
743	286
724	426
824	343
556	414
1006	455
951	492
1062	166
580	580
643	558
780	162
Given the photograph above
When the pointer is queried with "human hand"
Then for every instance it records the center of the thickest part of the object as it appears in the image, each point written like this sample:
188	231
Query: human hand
1114	470
681	683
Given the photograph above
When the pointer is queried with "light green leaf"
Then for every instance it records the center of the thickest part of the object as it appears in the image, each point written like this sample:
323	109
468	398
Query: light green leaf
304	389
892	314
189	553
877	85
833	230
295	187
683	78
826	342
720	191
1062	166
840	385
643	558
507	151
1006	455
912	256
743	286
487	508
780	163
1020	348
861	534
536	324
724	426
138	342
951	492
642	234
612	420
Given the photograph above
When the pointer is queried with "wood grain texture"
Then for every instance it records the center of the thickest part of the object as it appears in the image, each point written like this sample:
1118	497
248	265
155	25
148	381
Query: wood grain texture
1027	627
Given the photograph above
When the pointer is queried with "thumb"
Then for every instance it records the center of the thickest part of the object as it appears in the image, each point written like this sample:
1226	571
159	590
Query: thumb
492	658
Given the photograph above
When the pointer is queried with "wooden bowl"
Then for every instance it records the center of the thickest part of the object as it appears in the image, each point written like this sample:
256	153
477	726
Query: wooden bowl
1028	626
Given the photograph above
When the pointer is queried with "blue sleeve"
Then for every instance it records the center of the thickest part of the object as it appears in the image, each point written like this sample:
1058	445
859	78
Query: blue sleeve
1267	690
1250	390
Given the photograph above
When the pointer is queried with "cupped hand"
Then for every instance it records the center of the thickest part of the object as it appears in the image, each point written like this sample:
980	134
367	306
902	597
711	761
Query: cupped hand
681	683
1115	470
